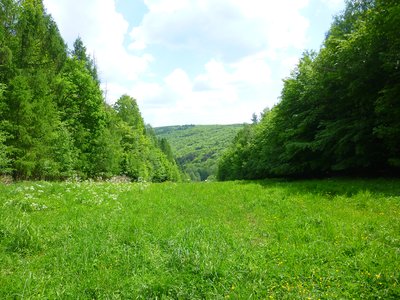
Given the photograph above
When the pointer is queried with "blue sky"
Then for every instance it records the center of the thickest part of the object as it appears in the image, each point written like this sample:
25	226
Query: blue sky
195	61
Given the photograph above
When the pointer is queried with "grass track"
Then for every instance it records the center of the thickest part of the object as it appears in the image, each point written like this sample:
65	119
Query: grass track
319	239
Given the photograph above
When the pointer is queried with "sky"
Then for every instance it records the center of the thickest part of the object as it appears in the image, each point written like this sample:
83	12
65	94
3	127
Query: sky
195	61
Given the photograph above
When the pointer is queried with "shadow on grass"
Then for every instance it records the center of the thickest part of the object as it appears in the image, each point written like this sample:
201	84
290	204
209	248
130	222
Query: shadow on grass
388	187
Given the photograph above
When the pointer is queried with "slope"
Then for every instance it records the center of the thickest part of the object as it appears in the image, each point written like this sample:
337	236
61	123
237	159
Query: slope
197	148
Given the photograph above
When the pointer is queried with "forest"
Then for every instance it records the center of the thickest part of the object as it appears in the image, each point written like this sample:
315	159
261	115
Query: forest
198	148
339	110
338	113
54	121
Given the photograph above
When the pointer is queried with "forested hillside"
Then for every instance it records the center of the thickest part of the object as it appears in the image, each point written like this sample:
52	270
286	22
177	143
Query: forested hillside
198	147
339	111
54	122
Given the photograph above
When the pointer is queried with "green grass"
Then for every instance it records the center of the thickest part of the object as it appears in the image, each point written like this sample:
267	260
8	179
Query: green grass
319	239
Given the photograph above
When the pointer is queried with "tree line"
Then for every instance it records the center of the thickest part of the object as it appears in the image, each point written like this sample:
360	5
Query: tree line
339	110
54	121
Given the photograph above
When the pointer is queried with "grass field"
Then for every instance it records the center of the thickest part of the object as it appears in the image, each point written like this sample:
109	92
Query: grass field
317	239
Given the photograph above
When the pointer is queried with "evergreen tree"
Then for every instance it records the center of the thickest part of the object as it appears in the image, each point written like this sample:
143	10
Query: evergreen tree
4	149
37	52
54	122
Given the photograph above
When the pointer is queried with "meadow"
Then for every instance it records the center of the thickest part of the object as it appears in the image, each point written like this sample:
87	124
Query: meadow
274	239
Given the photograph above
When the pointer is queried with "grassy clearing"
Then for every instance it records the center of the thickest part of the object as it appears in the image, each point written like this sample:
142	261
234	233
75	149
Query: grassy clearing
269	239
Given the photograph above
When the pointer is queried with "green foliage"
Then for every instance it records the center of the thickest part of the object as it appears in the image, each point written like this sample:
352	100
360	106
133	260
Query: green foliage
32	52
4	153
81	108
79	52
142	156
197	148
128	110
54	121
387	105
339	111
166	149
4	149
319	239
235	161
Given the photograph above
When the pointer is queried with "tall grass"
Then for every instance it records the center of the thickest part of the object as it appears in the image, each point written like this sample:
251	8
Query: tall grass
320	239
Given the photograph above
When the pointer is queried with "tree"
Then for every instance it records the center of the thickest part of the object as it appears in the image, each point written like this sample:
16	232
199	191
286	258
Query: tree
54	122
128	110
80	53
339	111
387	108
166	149
82	110
4	149
32	53
142	156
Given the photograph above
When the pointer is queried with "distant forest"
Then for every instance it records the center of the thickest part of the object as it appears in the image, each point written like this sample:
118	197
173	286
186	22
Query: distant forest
339	110
54	122
197	148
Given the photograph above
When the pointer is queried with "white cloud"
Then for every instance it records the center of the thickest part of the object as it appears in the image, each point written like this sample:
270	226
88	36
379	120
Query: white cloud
248	47
229	28
222	93
178	82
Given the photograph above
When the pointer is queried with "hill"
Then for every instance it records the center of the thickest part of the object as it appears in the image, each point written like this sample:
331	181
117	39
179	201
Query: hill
197	148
